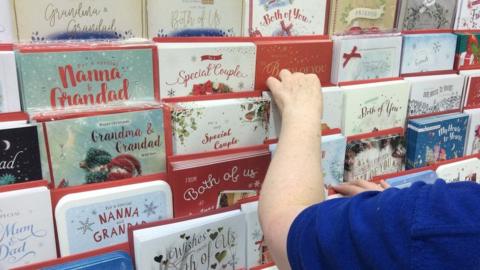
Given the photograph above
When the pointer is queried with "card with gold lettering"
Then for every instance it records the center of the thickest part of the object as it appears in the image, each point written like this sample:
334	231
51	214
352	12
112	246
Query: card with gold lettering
78	19
90	220
193	18
212	125
206	68
103	148
62	77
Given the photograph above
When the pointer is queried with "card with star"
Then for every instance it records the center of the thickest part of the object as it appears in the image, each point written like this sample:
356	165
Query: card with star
195	69
465	170
100	218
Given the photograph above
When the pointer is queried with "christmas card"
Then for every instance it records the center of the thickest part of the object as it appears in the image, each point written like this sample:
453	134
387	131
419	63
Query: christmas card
472	145
86	75
285	17
436	138
375	106
428	52
257	252
190	18
78	19
109	147
209	242
212	125
472	88
7	22
26	226
426	14
465	170
468	51
206	68
468	13
366	158
113	260
203	184
9	93
435	94
348	14
366	57
306	56
100	218
407	180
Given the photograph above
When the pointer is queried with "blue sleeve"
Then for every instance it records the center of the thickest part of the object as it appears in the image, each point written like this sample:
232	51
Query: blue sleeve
410	228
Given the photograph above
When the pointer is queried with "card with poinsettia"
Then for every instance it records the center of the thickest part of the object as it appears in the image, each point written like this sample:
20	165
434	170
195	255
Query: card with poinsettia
366	57
212	125
206	68
285	17
468	12
7	22
78	19
108	147
9	92
194	18
472	88
100	218
468	51
215	241
426	14
465	170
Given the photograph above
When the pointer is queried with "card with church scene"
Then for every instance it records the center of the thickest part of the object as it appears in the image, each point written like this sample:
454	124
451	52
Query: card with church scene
7	22
465	170
212	125
194	18
435	94
428	52
366	158
78	19
436	138
426	14
216	242
348	14
108	147
366	57
472	144
472	88
9	92
206	68
468	51
26	220
100	218
375	106
407	180
468	12
268	18
61	77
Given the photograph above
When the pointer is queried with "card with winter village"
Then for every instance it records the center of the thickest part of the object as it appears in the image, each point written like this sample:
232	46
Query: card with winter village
426	14
103	148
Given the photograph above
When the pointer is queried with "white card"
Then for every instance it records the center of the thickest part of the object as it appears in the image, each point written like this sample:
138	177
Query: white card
466	170
254	235
472	144
9	93
7	22
468	14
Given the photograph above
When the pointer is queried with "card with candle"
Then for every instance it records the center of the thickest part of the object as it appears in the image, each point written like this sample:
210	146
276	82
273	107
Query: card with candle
285	17
468	12
7	22
468	51
109	147
366	57
472	88
212	125
78	19
206	68
27	227
426	14
60	77
465	170
9	93
190	18
100	218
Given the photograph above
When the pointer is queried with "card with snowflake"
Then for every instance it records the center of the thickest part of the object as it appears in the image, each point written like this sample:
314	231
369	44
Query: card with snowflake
100	218
333	157
426	14
194	69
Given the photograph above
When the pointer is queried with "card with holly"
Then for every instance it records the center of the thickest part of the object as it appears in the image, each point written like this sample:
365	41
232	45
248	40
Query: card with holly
468	51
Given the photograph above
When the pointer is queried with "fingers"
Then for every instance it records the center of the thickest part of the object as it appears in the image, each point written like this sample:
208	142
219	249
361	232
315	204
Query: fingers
384	184
356	187
367	185
273	84
284	74
348	189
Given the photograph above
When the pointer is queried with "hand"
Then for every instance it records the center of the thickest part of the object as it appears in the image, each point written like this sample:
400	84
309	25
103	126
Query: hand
355	187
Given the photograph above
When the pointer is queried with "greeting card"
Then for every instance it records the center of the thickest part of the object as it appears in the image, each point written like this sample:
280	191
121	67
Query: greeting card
366	57
468	13
190	18
370	157
285	17
212	125
468	51
306	56
7	22
465	170
257	252
428	52
78	19
434	94
472	88
472	144
208	242
106	147
113	260
94	219
405	181
344	15
426	14
436	138
375	106
203	184
206	68
9	93
26	226
61	77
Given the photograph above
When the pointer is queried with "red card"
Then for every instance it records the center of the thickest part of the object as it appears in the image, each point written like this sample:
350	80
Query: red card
473	93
